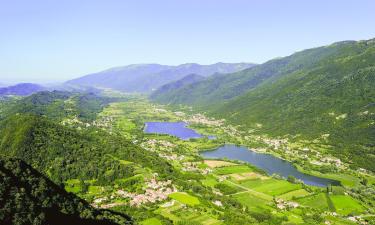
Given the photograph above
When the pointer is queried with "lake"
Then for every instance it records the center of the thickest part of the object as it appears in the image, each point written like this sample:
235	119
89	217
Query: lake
267	162
177	129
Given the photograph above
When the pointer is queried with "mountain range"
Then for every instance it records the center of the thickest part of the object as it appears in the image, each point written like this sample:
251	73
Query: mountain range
168	89
21	89
323	93
143	78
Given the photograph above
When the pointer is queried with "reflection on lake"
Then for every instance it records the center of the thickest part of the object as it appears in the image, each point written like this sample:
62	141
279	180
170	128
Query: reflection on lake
177	129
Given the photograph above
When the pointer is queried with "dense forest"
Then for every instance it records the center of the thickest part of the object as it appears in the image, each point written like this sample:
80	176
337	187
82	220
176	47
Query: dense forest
65	153
58	105
28	197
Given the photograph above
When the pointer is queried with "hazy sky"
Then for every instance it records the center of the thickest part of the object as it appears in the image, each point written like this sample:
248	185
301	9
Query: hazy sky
44	40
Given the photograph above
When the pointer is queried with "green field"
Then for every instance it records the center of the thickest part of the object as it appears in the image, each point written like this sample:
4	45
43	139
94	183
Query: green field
168	212
185	198
178	212
232	169
200	218
251	201
345	205
73	185
318	201
151	221
271	187
294	194
295	219
210	181
95	190
339	221
125	124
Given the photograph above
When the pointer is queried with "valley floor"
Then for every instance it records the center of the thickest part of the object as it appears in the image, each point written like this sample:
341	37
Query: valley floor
212	185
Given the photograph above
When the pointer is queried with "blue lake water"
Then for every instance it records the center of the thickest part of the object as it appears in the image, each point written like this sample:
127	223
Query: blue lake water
177	129
267	162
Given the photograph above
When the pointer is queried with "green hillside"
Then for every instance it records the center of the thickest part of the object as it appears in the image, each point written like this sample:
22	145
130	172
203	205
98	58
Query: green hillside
336	99
321	92
66	153
58	105
167	91
28	197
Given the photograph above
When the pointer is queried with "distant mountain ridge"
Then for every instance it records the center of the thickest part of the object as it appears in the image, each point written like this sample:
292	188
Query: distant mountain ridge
144	78
167	90
21	89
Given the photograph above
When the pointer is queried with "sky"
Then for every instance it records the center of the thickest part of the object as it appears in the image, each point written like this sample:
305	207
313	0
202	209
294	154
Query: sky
54	40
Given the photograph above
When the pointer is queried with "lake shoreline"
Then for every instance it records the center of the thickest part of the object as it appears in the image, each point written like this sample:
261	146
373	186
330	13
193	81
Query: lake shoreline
308	179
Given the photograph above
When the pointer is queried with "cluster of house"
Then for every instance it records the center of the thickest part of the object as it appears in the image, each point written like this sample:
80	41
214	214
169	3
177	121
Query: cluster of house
231	131
284	205
104	122
202	119
155	191
223	178
180	114
172	157
159	110
328	161
333	160
218	203
71	121
275	143
318	160
99	200
153	143
357	219
193	167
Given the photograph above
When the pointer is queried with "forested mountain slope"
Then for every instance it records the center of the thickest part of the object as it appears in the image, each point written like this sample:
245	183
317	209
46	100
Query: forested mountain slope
58	105
326	93
147	77
335	99
167	90
66	153
222	88
28	197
